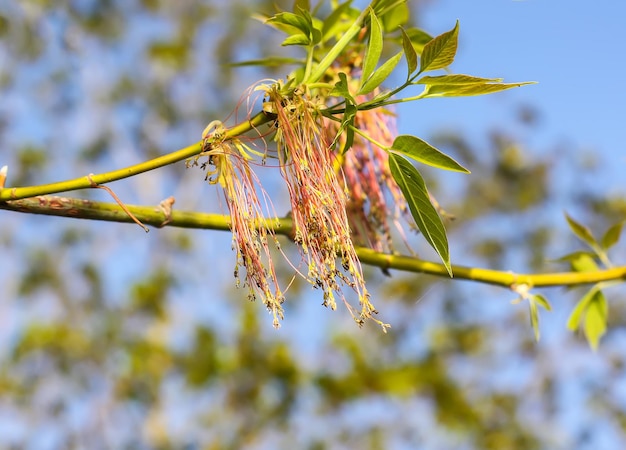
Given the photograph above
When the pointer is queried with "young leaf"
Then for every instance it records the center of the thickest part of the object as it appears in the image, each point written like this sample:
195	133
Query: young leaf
582	232
467	90
419	38
440	51
541	301
573	322
314	26
425	215
534	318
534	301
455	79
347	125
611	237
374	47
395	16
341	88
595	319
296	21
296	39
584	262
332	23
380	74
299	27
409	52
422	151
574	255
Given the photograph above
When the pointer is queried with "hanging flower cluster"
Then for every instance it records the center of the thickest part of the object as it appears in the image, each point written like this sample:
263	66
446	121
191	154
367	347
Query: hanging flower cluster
318	200
370	184
334	200
230	161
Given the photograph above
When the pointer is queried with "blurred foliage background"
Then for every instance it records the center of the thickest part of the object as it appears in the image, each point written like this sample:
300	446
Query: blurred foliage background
110	338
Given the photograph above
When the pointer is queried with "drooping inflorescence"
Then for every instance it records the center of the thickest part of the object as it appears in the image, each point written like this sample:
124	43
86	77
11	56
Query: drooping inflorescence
324	191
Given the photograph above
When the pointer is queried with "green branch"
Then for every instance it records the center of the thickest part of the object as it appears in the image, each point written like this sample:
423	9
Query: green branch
163	215
337	49
90	181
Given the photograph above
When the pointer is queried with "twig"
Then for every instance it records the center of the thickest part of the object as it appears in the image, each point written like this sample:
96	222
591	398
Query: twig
154	216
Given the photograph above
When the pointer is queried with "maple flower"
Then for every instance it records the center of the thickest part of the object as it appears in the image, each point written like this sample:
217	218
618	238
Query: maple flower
230	162
318	201
322	193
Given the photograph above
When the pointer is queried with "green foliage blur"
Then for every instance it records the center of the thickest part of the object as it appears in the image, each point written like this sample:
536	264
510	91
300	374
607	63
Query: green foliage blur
113	339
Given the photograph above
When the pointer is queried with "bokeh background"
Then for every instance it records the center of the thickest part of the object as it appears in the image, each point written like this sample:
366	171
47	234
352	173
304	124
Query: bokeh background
112	338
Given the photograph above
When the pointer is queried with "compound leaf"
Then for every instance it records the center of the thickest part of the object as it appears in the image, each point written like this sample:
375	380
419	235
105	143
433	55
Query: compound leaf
424	213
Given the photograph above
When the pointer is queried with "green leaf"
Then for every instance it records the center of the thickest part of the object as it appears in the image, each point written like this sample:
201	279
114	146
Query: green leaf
314	26
455	79
595	319
296	39
419	38
440	51
534	301
582	232
341	88
611	237
394	17
316	36
584	262
424	213
299	27
380	74
409	52
541	301
374	47
348	125
332	23
295	21
422	151
534	318
574	255
573	322
466	90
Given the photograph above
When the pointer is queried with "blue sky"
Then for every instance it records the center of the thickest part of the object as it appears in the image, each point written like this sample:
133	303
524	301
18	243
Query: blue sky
572	49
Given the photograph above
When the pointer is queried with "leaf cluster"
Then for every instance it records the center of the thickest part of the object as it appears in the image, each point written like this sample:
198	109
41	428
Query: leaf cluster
591	312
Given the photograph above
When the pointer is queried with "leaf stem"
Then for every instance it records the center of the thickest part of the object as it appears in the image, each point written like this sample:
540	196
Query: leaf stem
372	140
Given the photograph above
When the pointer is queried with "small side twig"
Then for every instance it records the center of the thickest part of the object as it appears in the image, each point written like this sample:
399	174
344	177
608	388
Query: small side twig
118	201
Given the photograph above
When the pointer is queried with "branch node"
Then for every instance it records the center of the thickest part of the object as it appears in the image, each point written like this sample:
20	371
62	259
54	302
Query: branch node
166	208
521	289
91	182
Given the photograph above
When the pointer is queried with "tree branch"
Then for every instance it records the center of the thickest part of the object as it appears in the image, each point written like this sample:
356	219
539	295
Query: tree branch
91	180
163	215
